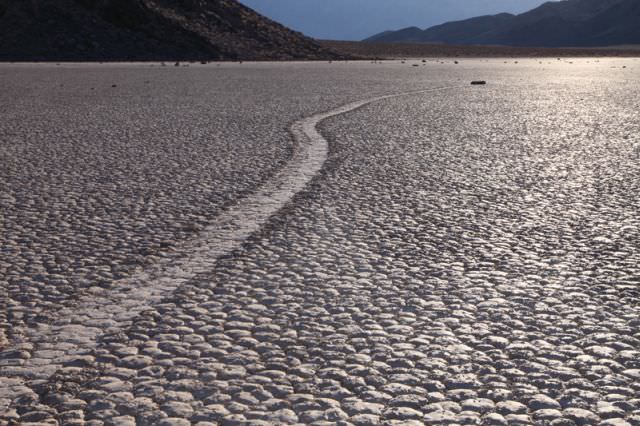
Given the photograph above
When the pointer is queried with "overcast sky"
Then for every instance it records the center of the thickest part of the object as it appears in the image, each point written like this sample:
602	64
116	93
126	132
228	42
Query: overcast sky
358	19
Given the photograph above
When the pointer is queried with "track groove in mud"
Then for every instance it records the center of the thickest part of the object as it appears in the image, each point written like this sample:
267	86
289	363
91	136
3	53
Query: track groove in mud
100	310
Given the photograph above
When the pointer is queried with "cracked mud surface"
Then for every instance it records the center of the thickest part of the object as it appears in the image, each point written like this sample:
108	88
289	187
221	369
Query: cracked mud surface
467	256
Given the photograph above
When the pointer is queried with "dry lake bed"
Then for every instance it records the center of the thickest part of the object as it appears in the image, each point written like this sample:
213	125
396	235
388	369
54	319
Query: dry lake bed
321	243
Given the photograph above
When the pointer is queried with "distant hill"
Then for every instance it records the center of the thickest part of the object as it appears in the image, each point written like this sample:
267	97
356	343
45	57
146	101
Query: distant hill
146	30
567	23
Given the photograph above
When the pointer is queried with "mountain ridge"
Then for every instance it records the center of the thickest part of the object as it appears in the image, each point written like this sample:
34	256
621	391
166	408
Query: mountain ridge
146	30
567	23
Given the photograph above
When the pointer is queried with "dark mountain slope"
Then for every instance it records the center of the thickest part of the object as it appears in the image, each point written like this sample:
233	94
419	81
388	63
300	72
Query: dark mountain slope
145	30
553	24
451	32
408	35
618	25
467	30
570	10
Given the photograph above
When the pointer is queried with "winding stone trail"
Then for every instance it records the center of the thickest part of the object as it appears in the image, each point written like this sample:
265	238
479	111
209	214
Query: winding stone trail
74	333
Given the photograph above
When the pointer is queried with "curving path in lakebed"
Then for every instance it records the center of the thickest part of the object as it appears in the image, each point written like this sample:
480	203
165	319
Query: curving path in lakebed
74	333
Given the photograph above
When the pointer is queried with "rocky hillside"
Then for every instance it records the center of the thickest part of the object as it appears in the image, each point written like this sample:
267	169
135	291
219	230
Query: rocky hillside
145	30
554	24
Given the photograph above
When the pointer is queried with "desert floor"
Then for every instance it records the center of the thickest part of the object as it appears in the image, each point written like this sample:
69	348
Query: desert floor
321	243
